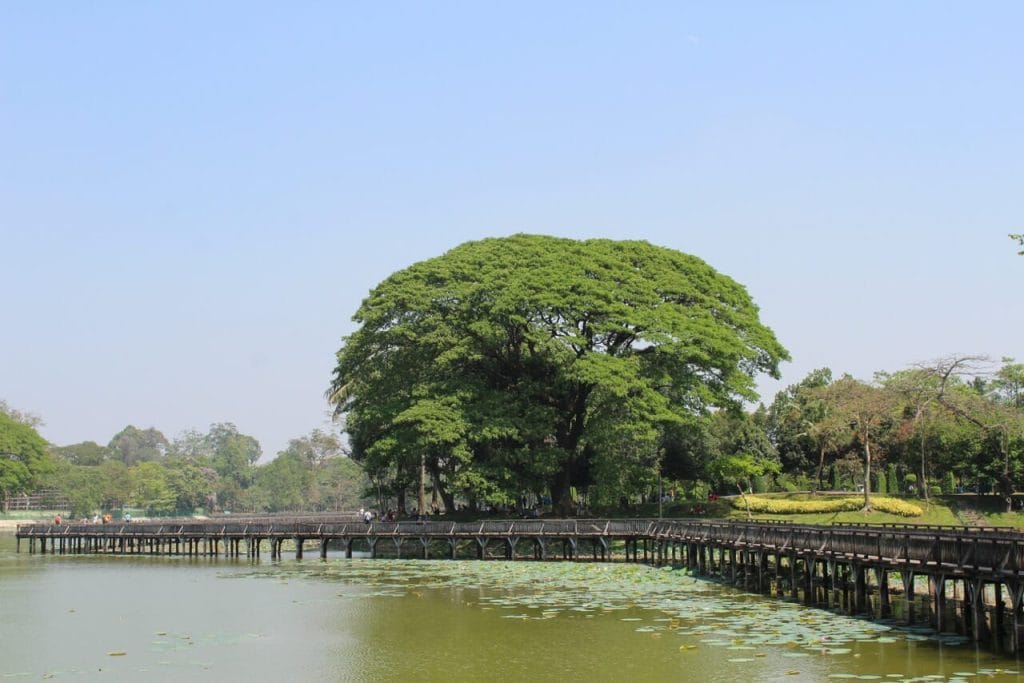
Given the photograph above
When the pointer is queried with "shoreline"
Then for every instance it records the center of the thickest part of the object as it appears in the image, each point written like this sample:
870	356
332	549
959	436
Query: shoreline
9	526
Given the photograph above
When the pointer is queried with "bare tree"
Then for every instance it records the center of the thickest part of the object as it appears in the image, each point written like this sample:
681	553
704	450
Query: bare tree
917	390
996	421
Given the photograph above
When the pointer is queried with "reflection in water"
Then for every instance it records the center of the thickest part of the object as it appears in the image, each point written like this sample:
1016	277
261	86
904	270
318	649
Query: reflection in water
179	619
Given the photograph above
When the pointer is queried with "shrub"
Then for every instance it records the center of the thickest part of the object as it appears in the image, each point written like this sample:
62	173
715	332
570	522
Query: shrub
891	480
880	485
792	483
949	483
895	506
782	506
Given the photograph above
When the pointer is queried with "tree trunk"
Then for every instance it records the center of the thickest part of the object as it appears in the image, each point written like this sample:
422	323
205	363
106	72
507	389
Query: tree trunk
421	498
867	474
440	489
924	471
561	498
821	468
745	501
1006	480
568	439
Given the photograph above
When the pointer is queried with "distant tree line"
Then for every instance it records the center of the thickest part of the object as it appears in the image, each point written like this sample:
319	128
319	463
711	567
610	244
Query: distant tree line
951	425
214	471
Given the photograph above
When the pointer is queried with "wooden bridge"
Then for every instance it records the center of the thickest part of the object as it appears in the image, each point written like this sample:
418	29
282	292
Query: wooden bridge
972	578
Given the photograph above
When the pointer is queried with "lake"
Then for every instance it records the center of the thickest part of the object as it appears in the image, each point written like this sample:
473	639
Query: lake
110	618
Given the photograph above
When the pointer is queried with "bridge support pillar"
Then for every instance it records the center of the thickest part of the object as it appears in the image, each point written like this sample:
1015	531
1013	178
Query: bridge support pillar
884	604
975	589
937	588
828	583
810	565
907	578
860	588
998	617
1016	589
762	571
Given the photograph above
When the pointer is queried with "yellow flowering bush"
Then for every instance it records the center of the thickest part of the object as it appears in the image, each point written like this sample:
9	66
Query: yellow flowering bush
783	506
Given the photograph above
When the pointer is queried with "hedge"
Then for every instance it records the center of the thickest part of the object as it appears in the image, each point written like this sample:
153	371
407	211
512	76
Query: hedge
783	506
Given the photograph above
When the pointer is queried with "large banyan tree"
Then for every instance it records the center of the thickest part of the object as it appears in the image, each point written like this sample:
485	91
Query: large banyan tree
540	364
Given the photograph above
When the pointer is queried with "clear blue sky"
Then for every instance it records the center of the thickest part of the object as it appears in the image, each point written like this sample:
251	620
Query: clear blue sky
195	197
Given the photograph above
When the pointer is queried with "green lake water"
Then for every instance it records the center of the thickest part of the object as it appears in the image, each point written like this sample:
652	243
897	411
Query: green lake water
89	618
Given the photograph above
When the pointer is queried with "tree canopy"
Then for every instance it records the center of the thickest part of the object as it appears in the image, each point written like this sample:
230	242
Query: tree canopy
534	363
132	445
23	456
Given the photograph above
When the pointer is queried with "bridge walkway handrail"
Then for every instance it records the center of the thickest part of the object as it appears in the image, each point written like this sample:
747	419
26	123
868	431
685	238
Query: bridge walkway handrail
957	547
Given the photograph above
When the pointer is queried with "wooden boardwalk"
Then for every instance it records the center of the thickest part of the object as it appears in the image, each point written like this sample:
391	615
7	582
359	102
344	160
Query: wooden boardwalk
974	575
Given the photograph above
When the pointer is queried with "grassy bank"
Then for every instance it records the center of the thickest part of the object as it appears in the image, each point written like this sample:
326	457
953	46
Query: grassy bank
967	510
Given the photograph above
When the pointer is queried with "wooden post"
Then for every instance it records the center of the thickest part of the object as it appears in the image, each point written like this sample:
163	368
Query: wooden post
998	617
884	605
937	588
976	600
1016	589
808	577
859	589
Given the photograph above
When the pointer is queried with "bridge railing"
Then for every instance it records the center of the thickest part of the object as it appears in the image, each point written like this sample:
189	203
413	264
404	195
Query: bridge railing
999	551
927	527
996	551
